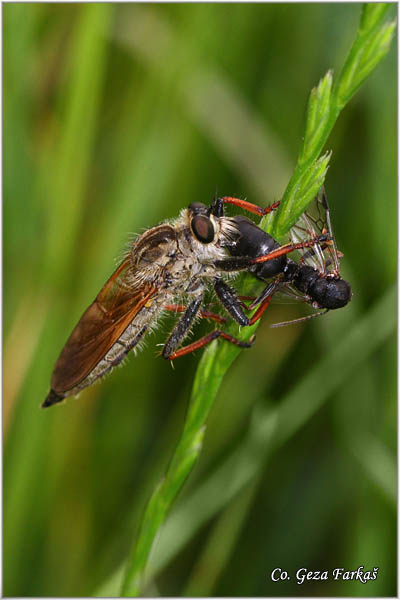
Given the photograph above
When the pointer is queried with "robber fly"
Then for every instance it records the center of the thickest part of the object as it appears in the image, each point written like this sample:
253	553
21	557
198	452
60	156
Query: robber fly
168	267
314	279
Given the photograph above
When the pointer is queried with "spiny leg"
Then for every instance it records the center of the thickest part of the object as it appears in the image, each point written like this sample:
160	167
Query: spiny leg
230	301
182	328
206	314
287	248
217	207
228	298
260	310
233	304
268	291
207	339
170	349
262	301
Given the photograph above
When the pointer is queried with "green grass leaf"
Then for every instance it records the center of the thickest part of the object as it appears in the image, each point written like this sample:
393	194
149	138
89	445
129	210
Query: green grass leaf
370	46
317	116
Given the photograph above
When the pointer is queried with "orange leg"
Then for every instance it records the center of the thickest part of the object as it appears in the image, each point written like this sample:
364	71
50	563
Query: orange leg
207	339
203	313
241	263
260	310
288	248
253	208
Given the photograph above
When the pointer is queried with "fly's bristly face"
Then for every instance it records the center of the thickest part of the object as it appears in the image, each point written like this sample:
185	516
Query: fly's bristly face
205	235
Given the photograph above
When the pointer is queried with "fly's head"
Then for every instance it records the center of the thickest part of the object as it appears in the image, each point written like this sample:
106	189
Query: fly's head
207	232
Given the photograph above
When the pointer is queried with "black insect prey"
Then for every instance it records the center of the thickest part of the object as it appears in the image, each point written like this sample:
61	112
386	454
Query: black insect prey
319	283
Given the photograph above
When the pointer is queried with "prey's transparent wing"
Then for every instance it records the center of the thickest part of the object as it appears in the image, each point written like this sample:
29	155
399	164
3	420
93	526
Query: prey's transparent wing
313	223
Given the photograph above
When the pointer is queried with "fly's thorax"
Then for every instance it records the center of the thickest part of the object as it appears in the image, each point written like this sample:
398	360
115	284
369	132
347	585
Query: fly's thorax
154	248
177	248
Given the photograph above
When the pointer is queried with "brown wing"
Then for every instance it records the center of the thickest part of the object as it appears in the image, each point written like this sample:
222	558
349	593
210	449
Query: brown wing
99	328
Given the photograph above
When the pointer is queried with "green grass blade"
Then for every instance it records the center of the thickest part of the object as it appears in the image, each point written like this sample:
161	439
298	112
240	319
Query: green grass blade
27	445
220	545
370	46
70	164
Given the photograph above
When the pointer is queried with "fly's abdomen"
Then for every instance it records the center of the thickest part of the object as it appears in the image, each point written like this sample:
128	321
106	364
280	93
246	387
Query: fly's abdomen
127	342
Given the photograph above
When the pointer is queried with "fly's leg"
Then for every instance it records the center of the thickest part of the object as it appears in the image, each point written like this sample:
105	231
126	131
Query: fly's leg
206	314
242	263
230	301
267	292
233	303
260	310
287	248
217	207
170	351
207	339
237	263
181	328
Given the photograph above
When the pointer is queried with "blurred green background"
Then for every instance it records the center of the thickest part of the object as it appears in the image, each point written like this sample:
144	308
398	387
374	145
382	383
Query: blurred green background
115	117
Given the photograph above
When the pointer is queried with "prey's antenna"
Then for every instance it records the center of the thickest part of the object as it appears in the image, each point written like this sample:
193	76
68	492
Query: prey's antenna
307	318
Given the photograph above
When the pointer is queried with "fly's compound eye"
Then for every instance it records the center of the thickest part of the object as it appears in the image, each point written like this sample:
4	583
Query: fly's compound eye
203	229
